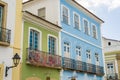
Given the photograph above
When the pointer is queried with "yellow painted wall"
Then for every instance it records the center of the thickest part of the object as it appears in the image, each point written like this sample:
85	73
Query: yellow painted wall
17	38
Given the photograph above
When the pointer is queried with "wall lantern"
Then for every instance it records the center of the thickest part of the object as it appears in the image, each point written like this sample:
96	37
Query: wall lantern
16	60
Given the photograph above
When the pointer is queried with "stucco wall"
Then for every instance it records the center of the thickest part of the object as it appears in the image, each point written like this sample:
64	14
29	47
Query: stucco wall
52	9
6	53
28	70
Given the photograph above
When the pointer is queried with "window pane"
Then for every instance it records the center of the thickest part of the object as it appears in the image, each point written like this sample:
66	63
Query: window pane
52	43
1	15
94	31
86	27
65	15
34	38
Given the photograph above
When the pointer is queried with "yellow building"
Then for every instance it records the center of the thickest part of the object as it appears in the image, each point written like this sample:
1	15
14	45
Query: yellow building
111	50
10	37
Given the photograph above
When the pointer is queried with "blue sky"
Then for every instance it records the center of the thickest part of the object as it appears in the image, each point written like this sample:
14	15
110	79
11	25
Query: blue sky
108	11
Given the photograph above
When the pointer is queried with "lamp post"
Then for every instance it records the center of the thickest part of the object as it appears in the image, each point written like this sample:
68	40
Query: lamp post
16	60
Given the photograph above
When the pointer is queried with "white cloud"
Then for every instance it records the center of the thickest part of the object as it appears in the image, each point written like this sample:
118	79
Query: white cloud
110	4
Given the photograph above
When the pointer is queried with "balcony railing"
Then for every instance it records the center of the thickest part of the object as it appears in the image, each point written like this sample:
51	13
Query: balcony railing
5	35
68	63
40	58
77	65
112	76
99	70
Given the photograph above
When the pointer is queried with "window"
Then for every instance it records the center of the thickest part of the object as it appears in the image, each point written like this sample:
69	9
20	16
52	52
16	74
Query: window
110	68
78	50
66	47
88	54
65	15
41	13
3	9
109	43
76	21
1	15
52	45
97	57
94	31
86	27
34	39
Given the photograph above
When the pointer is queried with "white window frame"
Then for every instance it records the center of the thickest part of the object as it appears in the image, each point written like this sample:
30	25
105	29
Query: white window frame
97	62
68	13
74	13
40	37
96	31
56	53
77	55
84	19
88	59
66	54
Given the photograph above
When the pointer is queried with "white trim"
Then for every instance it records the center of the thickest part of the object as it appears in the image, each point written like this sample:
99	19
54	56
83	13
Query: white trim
62	5
22	35
60	53
107	56
40	37
77	55
55	45
116	67
84	19
92	24
78	21
88	59
81	39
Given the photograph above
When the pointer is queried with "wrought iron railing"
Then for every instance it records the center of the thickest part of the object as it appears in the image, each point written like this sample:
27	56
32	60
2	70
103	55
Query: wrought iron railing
99	70
77	65
41	58
68	63
5	35
112	76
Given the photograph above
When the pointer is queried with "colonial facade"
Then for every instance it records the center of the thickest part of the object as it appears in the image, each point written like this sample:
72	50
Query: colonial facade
9	21
111	50
79	40
40	54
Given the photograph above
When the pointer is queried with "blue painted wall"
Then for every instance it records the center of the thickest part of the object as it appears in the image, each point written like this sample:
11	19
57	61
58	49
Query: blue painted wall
94	45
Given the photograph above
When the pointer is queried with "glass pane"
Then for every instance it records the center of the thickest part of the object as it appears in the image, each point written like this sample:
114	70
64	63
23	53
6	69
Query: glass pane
52	43
1	15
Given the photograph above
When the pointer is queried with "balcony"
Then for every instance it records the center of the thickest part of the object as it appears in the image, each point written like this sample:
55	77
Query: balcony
80	66
90	68
40	58
112	76
68	63
5	36
77	65
99	70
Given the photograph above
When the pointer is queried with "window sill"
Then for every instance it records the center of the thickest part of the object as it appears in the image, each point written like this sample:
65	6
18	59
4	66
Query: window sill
4	43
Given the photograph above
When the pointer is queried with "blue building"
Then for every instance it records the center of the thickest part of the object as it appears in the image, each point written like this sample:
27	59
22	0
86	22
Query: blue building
79	40
81	43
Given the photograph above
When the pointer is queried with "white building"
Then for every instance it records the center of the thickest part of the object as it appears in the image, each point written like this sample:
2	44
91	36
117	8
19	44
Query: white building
111	49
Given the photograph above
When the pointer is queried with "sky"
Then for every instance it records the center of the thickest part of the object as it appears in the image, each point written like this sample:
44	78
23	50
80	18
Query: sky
109	12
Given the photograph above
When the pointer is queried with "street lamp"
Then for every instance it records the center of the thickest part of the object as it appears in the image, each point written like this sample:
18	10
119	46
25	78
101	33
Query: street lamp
16	60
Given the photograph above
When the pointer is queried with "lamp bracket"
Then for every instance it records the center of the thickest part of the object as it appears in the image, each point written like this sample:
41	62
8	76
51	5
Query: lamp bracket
7	68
